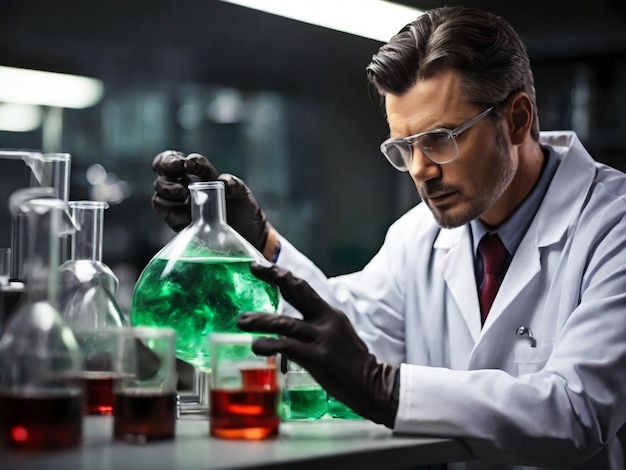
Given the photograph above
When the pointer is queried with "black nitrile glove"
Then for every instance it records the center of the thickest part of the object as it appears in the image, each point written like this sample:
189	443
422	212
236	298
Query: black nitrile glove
243	212
176	171
326	345
171	196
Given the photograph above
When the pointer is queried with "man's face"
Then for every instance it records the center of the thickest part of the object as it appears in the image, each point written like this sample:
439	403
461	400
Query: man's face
467	187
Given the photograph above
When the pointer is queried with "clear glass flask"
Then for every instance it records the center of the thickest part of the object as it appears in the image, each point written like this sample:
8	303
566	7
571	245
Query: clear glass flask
40	407
200	282
89	287
88	302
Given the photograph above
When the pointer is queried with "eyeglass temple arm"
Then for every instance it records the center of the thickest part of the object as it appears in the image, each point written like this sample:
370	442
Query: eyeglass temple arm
463	127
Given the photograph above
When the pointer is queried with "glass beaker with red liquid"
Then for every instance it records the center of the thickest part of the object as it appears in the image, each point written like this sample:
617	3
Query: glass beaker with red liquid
244	389
39	408
98	377
145	399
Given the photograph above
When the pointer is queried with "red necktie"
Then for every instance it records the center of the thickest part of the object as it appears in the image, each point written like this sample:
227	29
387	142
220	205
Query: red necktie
494	253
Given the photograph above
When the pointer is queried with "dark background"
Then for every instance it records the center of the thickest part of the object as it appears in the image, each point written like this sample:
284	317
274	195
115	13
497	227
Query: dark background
306	139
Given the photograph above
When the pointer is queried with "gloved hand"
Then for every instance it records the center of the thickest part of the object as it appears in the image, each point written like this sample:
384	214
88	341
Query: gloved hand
171	196
176	171
326	345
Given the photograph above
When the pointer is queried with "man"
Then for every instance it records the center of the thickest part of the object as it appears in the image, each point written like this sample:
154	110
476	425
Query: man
535	377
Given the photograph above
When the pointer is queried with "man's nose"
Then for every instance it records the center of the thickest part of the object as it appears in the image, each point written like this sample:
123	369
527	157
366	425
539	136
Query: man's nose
423	168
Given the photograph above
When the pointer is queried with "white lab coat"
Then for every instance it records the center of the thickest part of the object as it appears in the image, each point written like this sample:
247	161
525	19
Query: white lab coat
415	303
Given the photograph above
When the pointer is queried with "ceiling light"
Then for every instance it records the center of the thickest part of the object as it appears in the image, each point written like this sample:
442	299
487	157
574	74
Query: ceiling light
19	117
48	88
373	19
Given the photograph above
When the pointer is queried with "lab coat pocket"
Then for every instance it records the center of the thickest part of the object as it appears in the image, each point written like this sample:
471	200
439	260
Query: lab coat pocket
529	359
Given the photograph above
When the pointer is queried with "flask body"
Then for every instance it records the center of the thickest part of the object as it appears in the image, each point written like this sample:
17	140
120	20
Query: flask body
200	281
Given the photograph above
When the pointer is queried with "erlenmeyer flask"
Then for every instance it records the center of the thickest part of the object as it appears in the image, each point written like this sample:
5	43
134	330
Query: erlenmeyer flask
88	297
200	281
39	406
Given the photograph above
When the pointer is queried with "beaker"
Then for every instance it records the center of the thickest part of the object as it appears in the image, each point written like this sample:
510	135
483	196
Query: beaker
200	282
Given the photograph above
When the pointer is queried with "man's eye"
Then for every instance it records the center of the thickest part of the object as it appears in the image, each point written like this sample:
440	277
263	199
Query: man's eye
436	138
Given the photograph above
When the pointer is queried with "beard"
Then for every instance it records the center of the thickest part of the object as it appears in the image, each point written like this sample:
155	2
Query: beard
500	172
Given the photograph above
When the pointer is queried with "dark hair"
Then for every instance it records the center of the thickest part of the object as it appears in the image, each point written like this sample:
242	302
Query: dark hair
483	48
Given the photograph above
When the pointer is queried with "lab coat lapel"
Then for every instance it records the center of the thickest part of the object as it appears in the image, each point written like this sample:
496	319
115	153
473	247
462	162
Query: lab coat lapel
453	251
563	200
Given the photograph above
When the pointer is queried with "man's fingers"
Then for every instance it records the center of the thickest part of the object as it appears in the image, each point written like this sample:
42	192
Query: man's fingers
169	163
236	189
296	291
173	165
166	205
277	324
196	164
287	347
178	219
170	190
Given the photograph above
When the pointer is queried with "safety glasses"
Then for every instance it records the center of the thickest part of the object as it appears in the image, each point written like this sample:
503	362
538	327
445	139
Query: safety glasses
439	145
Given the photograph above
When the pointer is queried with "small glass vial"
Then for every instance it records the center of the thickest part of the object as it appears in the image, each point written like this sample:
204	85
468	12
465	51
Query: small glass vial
303	398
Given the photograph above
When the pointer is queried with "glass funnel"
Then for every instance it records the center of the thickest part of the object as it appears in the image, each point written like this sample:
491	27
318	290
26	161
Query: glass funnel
88	297
200	282
40	407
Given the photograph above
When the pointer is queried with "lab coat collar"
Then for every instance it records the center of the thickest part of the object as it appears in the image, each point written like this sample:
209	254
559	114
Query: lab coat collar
568	190
563	200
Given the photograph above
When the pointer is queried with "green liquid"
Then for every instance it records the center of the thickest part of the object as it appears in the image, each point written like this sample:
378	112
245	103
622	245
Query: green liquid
199	296
305	403
336	409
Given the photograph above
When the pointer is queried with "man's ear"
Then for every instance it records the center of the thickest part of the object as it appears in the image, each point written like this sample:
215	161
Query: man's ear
519	116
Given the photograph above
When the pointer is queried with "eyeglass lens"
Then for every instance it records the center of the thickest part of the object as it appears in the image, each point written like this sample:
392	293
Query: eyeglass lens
438	146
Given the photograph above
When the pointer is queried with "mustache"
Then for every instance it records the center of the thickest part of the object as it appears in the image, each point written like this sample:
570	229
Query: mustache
435	186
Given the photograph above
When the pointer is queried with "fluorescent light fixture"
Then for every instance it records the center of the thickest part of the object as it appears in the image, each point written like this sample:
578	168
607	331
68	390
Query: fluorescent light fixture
19	117
48	88
373	19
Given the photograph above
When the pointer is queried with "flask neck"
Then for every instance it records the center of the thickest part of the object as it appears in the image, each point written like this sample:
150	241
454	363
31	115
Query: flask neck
208	203
42	252
87	240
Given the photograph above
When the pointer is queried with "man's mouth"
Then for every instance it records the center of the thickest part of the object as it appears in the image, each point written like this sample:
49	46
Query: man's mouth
439	195
441	198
